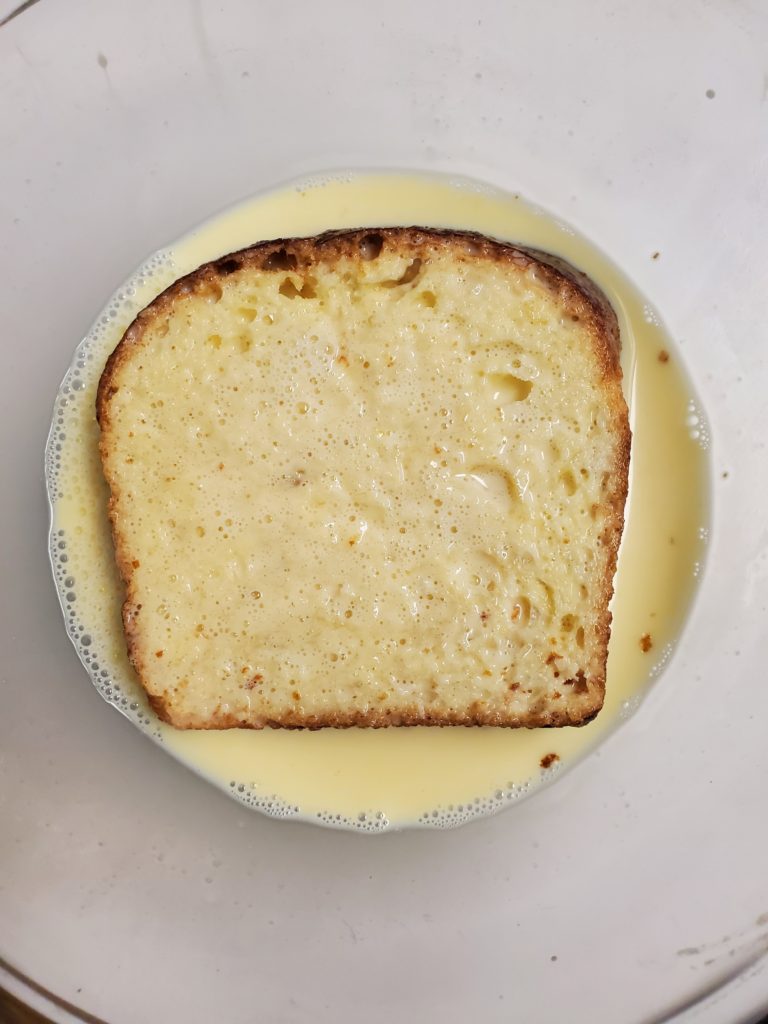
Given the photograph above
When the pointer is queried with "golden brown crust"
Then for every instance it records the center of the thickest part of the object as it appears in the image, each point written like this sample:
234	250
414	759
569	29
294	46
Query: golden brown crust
578	297
379	719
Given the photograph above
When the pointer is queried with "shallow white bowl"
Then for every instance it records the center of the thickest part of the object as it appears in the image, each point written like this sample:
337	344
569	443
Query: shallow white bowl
634	889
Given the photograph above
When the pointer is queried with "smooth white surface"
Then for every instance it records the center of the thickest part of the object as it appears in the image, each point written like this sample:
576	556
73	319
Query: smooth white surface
127	885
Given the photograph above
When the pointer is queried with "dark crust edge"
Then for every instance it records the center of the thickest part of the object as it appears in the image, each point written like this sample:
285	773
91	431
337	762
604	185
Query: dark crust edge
578	296
375	719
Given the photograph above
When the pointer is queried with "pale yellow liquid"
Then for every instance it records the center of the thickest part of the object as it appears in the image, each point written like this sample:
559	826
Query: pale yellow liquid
401	775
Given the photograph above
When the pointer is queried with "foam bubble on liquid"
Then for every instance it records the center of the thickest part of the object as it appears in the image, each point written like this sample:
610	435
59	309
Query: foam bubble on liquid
651	316
453	815
629	707
660	663
275	807
561	226
697	425
319	181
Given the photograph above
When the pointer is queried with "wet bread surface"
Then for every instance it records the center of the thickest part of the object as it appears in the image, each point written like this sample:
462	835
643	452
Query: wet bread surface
371	478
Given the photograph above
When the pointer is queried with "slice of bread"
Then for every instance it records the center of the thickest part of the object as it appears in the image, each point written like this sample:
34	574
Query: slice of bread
371	478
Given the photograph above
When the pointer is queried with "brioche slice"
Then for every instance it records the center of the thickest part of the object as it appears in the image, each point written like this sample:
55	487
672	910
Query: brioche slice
371	478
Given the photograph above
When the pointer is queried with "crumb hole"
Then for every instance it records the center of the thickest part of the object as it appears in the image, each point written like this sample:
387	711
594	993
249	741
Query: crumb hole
410	274
281	259
509	388
371	246
290	291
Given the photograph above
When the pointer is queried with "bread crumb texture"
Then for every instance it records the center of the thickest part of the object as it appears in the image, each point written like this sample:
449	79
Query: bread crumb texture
370	478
